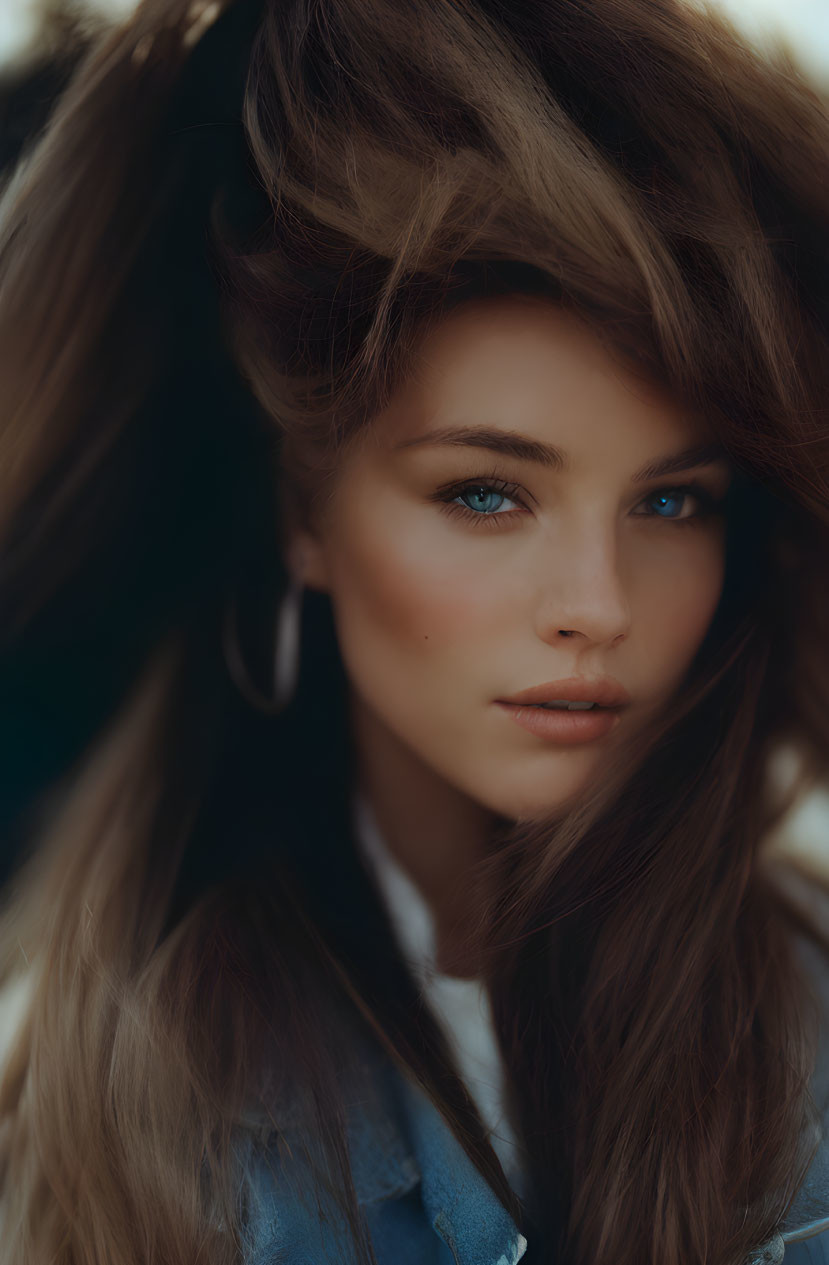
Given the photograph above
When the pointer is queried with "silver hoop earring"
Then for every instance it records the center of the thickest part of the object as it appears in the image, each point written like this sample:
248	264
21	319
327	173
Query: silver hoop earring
286	652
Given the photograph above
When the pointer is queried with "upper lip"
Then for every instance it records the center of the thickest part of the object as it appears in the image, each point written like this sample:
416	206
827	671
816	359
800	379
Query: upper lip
604	690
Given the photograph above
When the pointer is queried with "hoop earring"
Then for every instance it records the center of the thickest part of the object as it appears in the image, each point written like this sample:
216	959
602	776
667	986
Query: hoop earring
285	658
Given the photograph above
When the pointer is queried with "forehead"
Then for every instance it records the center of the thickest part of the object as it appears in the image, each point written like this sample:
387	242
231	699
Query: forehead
525	363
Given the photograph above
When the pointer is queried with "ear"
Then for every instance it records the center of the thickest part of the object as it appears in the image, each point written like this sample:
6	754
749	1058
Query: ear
301	525
307	558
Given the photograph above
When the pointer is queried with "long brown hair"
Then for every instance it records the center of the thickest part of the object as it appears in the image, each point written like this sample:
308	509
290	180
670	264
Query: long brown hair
215	263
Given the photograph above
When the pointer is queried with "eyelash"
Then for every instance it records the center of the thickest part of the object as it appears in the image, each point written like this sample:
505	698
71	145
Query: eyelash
709	504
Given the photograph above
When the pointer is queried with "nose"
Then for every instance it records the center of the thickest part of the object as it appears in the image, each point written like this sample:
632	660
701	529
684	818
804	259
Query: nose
582	594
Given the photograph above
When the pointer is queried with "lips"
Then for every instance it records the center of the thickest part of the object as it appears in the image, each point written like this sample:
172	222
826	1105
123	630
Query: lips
605	691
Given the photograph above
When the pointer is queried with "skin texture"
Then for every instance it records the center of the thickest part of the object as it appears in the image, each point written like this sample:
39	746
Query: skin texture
439	614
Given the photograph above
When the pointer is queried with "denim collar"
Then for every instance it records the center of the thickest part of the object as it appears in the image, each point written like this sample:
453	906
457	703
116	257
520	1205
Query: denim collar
398	1137
459	1203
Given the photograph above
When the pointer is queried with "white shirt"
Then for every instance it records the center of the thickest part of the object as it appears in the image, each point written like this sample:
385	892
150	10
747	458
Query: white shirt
460	1006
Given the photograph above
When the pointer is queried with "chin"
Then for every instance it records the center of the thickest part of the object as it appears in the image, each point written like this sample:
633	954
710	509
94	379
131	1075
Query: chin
514	809
542	802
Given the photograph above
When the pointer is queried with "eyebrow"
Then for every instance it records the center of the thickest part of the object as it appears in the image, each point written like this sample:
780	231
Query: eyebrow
522	448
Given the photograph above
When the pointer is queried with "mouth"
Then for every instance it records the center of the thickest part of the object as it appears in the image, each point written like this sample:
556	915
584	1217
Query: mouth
563	706
564	726
583	694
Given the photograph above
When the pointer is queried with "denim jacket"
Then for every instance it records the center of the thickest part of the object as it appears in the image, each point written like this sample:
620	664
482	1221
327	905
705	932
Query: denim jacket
424	1201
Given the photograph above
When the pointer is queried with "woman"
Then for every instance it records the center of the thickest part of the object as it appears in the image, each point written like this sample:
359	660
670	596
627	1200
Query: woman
379	379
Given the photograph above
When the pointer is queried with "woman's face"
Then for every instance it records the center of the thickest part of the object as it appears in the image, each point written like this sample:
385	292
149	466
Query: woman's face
462	572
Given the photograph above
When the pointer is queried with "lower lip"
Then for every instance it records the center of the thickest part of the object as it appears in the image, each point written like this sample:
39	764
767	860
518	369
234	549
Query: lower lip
561	725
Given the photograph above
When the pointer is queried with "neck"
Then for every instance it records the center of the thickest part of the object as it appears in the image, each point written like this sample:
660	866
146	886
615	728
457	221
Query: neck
435	832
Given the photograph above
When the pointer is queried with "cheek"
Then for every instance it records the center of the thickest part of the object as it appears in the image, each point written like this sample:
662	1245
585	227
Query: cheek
408	585
677	608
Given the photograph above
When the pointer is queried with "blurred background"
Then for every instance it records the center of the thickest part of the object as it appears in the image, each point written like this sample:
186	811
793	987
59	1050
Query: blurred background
28	28
41	41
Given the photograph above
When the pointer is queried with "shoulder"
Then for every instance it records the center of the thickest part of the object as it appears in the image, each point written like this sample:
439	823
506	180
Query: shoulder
420	1199
805	1228
293	1206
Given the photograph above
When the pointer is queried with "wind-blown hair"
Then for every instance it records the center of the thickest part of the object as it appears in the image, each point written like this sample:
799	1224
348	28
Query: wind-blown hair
215	265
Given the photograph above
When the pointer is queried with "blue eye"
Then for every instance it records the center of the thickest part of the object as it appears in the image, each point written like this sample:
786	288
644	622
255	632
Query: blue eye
706	503
667	497
483	498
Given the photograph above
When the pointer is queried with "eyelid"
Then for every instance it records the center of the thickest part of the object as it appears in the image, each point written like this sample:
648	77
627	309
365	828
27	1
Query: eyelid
660	484
494	481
